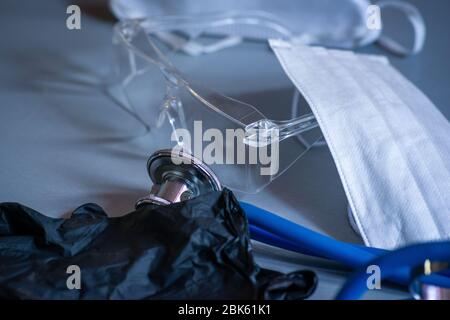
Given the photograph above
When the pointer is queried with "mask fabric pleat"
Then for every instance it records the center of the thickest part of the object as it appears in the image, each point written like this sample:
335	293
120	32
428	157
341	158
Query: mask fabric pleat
392	163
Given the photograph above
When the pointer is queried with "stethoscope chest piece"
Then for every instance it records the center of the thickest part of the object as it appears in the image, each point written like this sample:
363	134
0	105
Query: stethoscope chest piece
177	176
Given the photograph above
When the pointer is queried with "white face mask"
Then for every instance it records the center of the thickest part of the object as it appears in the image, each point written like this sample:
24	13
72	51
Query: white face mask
331	23
390	144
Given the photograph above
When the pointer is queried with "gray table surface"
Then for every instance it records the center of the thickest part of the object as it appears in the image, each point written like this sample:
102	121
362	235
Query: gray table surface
64	142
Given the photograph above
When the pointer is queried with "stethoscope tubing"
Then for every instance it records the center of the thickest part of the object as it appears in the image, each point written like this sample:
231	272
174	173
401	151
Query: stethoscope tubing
274	230
391	262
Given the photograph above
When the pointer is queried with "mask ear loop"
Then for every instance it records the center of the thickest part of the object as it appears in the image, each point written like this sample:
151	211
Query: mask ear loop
417	22
195	48
163	28
295	112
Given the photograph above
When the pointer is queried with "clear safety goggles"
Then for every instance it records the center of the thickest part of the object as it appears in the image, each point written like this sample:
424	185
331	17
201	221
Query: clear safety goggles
246	130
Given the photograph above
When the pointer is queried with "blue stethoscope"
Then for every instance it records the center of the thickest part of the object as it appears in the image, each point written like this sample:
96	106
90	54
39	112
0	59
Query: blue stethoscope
395	265
421	267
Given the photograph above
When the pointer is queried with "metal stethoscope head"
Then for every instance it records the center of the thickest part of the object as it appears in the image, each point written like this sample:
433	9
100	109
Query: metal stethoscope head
427	291
177	176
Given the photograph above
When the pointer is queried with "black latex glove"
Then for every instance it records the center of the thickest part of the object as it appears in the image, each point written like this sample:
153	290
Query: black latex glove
197	249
